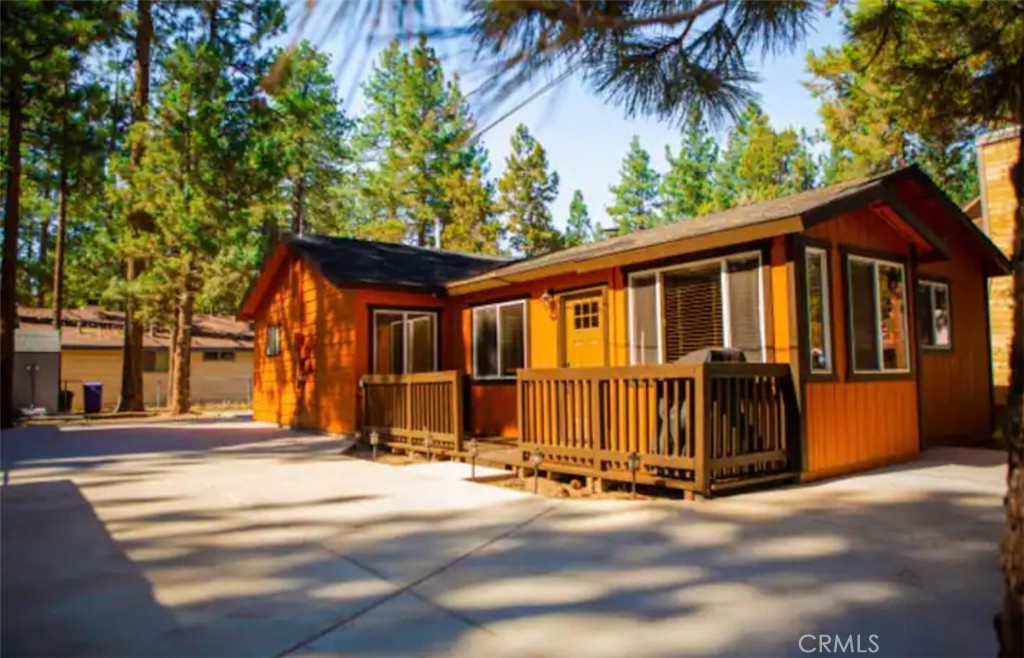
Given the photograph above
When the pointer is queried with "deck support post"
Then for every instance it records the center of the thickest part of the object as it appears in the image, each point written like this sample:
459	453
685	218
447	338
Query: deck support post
596	484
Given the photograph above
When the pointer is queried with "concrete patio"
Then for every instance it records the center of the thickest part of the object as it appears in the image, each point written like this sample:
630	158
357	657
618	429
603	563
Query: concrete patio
232	538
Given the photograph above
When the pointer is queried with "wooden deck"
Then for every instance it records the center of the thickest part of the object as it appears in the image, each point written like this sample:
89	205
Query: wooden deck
703	428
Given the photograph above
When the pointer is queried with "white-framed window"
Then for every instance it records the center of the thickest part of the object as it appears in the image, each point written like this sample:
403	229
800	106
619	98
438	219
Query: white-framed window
934	317
404	341
877	302
273	340
499	340
819	312
711	303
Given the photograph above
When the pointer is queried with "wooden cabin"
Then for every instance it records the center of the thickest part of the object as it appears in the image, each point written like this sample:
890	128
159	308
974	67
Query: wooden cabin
858	310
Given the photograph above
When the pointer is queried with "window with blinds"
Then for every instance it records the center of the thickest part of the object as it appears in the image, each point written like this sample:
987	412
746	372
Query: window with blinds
692	309
705	305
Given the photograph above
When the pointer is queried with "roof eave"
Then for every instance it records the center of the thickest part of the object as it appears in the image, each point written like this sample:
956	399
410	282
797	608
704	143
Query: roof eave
690	244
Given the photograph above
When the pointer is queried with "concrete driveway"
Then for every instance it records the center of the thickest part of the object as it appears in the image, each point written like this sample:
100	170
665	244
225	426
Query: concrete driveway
236	538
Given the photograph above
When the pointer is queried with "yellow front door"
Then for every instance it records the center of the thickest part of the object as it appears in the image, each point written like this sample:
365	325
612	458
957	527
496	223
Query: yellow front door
583	329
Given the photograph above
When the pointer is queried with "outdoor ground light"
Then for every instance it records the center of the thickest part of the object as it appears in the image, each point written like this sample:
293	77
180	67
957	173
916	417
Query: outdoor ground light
374	441
633	463
472	455
537	459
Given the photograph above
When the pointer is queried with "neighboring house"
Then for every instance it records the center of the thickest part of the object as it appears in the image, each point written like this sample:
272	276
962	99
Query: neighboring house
91	341
993	212
583	357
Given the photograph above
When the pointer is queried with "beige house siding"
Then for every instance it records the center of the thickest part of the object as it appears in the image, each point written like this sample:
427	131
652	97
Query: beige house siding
996	155
213	382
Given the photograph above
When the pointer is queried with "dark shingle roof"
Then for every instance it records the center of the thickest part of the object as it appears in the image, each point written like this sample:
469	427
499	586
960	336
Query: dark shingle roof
349	262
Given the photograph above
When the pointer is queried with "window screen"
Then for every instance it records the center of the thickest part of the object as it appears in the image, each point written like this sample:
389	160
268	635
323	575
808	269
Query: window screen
744	307
645	320
499	339
818	312
878	315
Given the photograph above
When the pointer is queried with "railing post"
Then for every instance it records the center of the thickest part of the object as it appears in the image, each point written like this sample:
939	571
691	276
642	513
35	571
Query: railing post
520	410
596	427
407	396
457	421
701	412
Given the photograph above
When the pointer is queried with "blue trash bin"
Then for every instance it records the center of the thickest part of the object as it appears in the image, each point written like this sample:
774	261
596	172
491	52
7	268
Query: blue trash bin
92	397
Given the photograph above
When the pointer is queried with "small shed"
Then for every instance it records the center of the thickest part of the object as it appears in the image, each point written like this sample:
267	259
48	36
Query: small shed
36	370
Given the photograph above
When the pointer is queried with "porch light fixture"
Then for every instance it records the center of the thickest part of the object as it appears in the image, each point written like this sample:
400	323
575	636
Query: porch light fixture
472	455
633	463
537	459
374	441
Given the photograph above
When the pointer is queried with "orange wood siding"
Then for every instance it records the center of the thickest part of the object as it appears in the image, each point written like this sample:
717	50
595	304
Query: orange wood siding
851	426
1000	203
334	326
783	338
493	404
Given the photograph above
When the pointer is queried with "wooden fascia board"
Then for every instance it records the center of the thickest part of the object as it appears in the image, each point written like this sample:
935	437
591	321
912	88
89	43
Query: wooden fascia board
253	298
728	237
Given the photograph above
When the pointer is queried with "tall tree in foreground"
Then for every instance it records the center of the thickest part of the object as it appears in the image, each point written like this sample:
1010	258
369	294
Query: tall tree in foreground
415	144
527	189
45	31
636	193
310	138
975	79
139	220
578	228
871	130
687	187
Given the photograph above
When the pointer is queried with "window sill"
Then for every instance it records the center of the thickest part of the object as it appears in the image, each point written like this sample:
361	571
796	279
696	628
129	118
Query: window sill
880	376
937	349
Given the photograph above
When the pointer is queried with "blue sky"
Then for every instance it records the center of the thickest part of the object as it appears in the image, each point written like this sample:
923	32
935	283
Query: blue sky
585	137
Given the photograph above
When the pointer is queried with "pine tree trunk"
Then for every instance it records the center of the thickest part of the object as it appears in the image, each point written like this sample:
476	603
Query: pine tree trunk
62	222
131	373
182	353
172	350
44	253
299	214
9	270
1010	620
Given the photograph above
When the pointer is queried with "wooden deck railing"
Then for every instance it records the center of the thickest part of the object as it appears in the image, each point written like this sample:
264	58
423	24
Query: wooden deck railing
698	427
407	410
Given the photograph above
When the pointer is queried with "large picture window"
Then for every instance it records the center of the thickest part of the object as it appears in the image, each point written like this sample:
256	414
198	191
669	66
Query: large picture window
701	305
404	341
819	318
499	340
933	315
878	315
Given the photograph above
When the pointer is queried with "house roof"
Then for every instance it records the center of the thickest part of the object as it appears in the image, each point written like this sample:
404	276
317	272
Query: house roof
351	262
347	262
94	327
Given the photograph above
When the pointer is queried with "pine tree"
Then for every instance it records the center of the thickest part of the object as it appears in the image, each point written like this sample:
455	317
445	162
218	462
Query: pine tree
760	163
578	229
311	137
45	33
871	129
416	135
526	191
636	194
687	187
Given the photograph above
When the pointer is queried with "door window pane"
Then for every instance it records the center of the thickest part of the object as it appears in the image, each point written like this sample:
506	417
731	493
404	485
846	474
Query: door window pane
389	336
420	332
404	341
